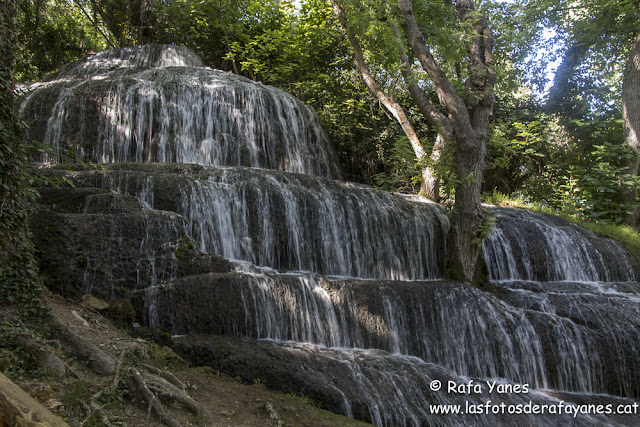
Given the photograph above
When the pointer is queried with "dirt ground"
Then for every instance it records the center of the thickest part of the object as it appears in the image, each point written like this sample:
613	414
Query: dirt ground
223	401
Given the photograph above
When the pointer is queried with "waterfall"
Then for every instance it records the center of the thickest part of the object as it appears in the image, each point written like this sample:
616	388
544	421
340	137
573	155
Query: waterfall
567	339
591	328
392	390
529	246
336	287
295	222
451	324
148	56
107	109
290	221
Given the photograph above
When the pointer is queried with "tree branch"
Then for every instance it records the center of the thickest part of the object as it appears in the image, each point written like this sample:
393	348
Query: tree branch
451	102
394	108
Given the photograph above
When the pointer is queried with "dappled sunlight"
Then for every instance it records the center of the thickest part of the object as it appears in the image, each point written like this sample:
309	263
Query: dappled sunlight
151	104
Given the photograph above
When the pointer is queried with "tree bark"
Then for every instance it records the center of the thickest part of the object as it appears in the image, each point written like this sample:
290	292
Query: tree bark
430	182
631	118
470	120
437	120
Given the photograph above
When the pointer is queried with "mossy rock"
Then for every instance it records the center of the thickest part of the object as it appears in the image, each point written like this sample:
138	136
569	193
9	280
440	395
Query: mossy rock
152	334
121	313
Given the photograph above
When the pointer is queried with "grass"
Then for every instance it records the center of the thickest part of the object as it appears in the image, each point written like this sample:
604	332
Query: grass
629	237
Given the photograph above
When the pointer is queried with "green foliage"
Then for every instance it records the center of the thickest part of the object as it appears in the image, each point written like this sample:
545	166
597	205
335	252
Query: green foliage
288	46
500	199
591	188
211	28
543	162
50	34
77	394
371	146
403	172
305	399
16	362
20	284
166	358
198	419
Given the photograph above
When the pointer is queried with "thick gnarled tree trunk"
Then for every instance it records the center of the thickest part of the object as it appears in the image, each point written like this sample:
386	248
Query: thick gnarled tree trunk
631	117
470	118
462	121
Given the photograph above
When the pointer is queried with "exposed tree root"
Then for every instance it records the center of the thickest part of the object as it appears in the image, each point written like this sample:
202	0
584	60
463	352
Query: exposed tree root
45	357
86	350
151	399
166	375
154	385
170	393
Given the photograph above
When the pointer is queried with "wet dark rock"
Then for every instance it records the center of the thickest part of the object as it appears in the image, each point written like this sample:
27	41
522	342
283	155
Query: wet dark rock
286	221
536	246
540	338
121	313
592	325
91	240
374	386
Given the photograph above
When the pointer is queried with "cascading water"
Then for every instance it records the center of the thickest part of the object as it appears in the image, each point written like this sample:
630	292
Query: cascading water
530	246
592	331
487	338
294	222
107	109
158	104
396	390
148	56
290	221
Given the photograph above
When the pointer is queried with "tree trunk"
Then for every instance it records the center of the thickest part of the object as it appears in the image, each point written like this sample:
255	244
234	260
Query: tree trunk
430	182
468	218
436	119
430	187
470	120
631	117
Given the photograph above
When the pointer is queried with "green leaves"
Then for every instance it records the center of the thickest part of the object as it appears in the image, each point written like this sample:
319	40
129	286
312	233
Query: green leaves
20	284
593	188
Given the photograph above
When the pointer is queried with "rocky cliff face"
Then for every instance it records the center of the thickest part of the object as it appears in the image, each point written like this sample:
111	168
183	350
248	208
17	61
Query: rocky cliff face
108	242
93	241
